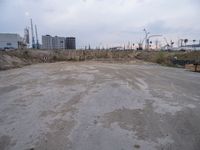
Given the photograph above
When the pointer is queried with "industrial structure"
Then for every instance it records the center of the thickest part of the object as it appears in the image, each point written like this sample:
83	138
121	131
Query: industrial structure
26	36
49	42
11	41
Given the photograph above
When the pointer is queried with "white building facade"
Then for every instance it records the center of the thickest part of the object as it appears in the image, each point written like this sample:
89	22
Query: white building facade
49	42
10	41
58	42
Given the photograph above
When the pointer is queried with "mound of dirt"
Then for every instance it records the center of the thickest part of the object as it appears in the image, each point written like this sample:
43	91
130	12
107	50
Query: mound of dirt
8	62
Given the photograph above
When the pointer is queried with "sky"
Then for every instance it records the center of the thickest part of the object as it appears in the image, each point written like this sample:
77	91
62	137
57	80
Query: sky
104	22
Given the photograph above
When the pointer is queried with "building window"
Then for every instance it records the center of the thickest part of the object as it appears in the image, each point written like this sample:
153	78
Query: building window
9	44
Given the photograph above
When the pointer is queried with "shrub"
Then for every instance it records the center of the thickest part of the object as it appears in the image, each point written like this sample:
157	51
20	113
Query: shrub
160	58
26	54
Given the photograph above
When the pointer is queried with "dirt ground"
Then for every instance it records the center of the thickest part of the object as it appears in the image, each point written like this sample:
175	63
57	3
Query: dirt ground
99	106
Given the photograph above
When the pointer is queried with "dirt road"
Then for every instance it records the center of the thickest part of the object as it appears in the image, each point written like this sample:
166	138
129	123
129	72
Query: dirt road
99	106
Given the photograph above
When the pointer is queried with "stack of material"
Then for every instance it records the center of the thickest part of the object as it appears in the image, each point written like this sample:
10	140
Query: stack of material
193	67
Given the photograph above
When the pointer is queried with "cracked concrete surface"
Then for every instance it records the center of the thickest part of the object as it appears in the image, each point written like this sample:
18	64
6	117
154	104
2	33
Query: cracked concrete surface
99	106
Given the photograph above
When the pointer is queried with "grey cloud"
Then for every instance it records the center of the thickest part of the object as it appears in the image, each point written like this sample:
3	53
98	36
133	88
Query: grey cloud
103	21
158	27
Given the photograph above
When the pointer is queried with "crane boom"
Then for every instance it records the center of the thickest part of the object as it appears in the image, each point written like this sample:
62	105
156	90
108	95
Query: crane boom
154	36
37	42
32	33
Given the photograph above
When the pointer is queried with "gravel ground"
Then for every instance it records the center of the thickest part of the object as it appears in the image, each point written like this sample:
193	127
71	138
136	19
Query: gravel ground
99	106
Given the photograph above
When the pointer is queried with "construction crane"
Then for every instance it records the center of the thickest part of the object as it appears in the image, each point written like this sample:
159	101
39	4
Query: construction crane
37	42
32	33
167	46
26	36
147	39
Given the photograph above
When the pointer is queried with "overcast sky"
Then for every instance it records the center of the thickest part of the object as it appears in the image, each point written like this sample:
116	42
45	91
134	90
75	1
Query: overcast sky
103	22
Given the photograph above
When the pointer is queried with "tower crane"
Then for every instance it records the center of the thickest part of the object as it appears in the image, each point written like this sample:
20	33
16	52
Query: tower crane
37	42
32	33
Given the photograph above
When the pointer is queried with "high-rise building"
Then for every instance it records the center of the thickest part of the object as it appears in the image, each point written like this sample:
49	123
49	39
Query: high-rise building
47	42
58	42
71	43
10	41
